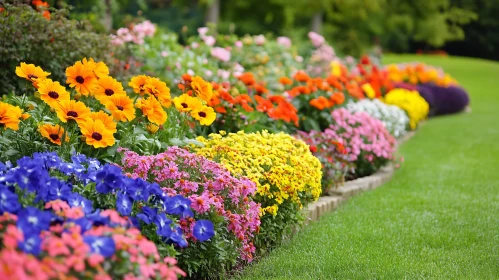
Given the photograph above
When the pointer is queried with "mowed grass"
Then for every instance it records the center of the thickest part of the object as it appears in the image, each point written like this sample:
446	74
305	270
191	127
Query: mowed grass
437	218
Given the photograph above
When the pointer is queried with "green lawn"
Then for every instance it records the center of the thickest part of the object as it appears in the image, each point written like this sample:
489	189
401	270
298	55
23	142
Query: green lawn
437	218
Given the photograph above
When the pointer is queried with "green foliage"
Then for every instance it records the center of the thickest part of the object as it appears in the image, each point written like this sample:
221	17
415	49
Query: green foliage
52	44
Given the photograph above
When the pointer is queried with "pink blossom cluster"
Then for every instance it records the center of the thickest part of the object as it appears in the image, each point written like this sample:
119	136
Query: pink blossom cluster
221	54
207	39
284	41
321	59
65	255
260	40
135	33
316	38
210	187
362	135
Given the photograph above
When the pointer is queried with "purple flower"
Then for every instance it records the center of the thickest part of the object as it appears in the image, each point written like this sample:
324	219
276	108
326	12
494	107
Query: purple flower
8	201
109	178
102	245
76	200
124	204
163	228
147	215
178	237
33	221
31	244
203	230
179	205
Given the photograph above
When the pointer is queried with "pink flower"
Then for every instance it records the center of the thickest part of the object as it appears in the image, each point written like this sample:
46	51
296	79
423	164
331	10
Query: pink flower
209	40
260	40
238	44
317	39
194	45
202	31
221	54
284	41
164	54
95	259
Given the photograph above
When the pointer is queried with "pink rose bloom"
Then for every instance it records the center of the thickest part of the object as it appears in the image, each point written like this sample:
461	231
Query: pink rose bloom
221	54
260	40
284	41
146	27
316	38
209	40
202	31
238	44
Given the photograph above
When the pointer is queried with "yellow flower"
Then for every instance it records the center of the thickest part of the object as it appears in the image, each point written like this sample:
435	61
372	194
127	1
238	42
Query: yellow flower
138	83
52	92
411	102
52	132
99	69
81	78
10	116
368	90
106	87
152	128
106	119
121	106
158	89
186	103
205	115
72	110
203	89
31	72
96	134
151	108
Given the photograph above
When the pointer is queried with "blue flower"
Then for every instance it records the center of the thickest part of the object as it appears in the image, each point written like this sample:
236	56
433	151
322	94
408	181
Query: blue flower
32	221
97	219
76	200
162	223
72	168
8	201
57	190
147	215
179	205
178	237
109	178
84	223
51	159
31	244
102	245
124	204
29	175
138	189
203	230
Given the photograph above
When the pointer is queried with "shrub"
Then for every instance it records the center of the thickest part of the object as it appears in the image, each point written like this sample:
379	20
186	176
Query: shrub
215	195
286	174
51	43
367	142
332	155
411	102
394	118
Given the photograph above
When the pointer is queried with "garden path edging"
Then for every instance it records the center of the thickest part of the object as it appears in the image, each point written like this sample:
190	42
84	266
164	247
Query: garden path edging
335	197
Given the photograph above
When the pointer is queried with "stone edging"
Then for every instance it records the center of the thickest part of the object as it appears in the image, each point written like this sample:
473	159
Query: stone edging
336	197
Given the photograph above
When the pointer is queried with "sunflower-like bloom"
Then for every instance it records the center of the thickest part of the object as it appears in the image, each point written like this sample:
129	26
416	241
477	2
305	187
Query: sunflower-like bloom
106	119
106	87
10	116
186	103
138	83
52	92
52	132
121	107
96	134
99	69
158	89
202	88
31	73
205	115
72	110
151	108
81	78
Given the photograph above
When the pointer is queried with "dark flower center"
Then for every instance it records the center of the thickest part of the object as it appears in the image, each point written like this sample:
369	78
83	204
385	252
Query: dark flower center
80	79
53	94
202	114
184	105
72	114
120	107
109	92
32	77
54	136
97	136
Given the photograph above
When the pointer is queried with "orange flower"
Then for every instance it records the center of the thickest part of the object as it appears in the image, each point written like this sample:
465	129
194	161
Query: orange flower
31	72
301	76
52	92
186	77
320	103
158	89
263	104
53	133
260	89
333	81
72	110
96	134
81	78
337	98
247	78
10	116
138	83
220	109
285	81
151	108
106	87
121	107
203	89
99	69
106	119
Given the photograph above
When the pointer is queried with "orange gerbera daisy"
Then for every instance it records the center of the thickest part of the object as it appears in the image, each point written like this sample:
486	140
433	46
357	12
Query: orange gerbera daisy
138	83
158	89
205	115
81	78
99	69
202	88
10	116
186	103
106	87
31	72
52	132
96	134
72	110
52	92
106	119
151	108
121	107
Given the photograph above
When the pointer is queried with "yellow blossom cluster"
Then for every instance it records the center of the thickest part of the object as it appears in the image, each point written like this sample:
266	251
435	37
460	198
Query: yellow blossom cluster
283	168
411	102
